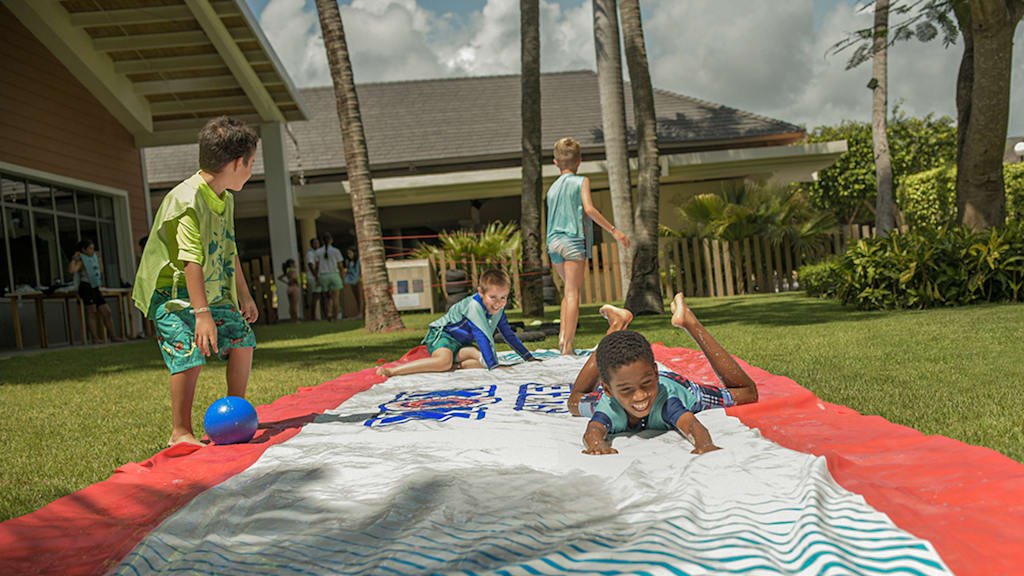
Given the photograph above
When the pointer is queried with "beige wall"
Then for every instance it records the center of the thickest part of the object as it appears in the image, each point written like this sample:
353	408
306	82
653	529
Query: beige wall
50	122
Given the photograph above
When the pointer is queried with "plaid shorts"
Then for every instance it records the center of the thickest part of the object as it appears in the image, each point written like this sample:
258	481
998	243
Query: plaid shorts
711	396
176	332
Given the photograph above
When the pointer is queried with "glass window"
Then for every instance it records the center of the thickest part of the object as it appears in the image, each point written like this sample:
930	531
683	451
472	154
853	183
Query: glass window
19	236
65	200
111	270
106	207
87	230
86	205
67	234
5	276
13	191
39	196
46	248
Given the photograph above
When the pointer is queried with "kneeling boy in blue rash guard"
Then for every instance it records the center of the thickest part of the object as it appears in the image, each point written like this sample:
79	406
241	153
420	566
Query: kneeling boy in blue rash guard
450	338
637	396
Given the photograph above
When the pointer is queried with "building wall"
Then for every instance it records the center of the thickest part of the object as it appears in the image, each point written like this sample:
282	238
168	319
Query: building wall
49	121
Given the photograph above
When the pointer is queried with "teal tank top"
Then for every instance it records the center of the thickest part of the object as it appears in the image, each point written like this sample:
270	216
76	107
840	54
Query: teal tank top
91	269
565	209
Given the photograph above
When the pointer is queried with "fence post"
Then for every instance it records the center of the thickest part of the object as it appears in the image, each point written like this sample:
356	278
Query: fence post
472	261
684	274
517	284
698	268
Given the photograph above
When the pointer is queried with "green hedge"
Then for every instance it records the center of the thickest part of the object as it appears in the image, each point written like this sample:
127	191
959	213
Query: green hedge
928	199
924	268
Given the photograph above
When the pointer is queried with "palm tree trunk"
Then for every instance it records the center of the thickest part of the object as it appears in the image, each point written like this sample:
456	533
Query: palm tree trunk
644	296
613	122
964	81
884	218
381	314
981	196
533	288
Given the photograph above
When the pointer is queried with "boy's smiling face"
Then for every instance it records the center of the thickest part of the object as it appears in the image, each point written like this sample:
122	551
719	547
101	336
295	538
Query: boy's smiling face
634	386
494	297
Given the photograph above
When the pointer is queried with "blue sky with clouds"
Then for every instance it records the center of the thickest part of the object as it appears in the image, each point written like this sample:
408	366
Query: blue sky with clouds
764	57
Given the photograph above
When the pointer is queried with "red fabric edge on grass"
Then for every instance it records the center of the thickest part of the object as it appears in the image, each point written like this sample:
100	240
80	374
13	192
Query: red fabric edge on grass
966	500
88	532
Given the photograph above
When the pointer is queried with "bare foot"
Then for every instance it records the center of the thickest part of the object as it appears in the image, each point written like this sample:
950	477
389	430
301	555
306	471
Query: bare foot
682	316
186	438
117	339
618	318
384	371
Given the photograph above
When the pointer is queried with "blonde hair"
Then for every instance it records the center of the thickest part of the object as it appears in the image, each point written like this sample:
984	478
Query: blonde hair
494	278
567	150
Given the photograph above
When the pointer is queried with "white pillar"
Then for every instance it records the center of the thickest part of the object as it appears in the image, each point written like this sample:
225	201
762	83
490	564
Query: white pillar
307	226
280	209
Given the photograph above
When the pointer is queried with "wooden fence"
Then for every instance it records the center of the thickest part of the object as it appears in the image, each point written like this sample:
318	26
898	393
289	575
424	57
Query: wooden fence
697	267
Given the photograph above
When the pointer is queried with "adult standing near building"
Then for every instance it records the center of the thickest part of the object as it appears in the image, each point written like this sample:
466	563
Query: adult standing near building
85	266
352	293
313	280
331	270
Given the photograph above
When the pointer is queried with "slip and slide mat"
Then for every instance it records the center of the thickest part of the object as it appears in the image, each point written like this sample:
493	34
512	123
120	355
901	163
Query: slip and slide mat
478	472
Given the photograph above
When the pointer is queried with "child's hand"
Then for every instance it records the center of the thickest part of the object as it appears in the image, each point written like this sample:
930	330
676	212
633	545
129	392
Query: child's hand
599	449
704	449
249	310
620	237
206	333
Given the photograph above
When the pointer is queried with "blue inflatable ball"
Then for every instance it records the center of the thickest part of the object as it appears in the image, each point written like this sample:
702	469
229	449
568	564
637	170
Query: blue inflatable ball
230	420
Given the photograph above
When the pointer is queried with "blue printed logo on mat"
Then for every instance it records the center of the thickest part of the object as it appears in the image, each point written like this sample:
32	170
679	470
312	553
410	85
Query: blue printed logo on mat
439	406
546	398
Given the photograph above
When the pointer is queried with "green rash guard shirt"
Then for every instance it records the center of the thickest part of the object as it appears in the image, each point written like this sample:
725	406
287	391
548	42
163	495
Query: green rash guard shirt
193	224
672	401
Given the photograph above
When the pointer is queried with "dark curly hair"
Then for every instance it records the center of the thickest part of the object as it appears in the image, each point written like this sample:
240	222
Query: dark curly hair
619	349
224	140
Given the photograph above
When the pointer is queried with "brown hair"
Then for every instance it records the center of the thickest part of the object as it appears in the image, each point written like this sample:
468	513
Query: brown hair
494	278
224	140
567	150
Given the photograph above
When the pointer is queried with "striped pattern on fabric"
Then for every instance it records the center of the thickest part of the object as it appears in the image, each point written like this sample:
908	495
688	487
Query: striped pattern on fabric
509	493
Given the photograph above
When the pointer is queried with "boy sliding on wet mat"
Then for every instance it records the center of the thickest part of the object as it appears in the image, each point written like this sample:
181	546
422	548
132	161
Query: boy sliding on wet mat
190	282
637	396
450	338
570	231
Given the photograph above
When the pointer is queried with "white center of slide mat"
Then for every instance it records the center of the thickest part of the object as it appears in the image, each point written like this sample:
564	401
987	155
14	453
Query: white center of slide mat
477	472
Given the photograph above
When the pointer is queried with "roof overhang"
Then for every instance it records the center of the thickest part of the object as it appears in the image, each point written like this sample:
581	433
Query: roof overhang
164	71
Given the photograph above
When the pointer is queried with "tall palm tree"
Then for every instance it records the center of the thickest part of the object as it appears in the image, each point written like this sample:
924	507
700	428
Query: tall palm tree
613	123
381	314
884	217
533	289
644	296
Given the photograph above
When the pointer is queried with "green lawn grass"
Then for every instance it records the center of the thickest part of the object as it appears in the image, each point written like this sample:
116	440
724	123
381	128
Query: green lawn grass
68	418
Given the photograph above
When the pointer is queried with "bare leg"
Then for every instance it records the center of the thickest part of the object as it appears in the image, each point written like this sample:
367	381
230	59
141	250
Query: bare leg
560	270
439	361
571	305
587	379
90	323
323	305
183	392
239	367
469	357
108	321
742	387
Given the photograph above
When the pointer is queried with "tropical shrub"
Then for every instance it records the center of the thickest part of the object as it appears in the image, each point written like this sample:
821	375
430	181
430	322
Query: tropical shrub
497	246
924	268
928	199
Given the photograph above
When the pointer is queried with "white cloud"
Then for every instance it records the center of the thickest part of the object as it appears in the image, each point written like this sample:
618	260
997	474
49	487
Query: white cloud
764	57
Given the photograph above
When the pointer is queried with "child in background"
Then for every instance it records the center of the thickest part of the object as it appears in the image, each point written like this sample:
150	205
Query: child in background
330	269
190	281
637	396
313	280
85	266
571	214
450	338
352	293
291	275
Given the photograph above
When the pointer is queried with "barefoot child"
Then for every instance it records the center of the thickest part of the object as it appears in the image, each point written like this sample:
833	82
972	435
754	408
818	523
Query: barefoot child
291	275
637	396
570	231
450	338
190	281
87	268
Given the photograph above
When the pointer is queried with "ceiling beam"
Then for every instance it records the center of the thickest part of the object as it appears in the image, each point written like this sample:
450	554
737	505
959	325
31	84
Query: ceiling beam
48	21
195	84
165	40
177	63
194	124
223	40
199	105
146	15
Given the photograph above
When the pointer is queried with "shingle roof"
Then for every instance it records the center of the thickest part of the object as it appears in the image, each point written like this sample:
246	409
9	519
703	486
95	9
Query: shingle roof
429	123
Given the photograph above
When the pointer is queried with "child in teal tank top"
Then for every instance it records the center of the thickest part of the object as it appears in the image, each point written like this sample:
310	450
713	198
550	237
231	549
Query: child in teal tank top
570	231
190	282
85	267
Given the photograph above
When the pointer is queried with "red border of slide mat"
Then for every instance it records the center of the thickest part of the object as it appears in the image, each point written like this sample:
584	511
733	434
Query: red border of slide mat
968	501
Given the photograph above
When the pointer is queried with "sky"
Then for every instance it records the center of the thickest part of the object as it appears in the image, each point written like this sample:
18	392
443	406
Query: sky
763	56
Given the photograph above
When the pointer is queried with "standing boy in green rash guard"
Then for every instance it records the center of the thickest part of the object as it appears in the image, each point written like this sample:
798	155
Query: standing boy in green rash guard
570	230
637	396
450	338
190	281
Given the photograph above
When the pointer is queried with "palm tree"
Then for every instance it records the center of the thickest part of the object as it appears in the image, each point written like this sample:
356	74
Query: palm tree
644	296
884	217
613	123
533	289
381	314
